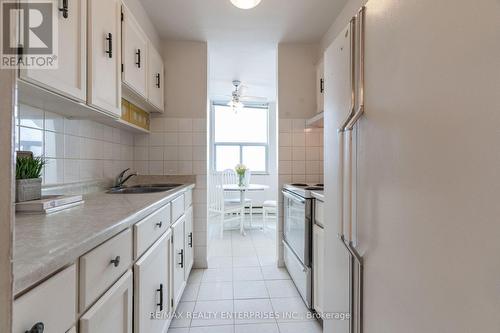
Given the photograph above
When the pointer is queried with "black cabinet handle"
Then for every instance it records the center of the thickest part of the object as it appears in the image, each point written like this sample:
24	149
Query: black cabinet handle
322	85
161	297
138	53
190	237
159	224
158	80
38	328
182	258
115	261
109	39
64	9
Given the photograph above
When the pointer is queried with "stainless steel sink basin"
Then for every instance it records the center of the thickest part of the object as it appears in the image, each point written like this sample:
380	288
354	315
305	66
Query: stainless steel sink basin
147	188
166	185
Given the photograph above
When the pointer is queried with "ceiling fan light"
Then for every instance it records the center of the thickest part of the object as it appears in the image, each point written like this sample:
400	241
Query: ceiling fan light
245	4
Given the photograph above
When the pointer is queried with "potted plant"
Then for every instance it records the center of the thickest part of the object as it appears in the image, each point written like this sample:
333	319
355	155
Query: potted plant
28	178
241	171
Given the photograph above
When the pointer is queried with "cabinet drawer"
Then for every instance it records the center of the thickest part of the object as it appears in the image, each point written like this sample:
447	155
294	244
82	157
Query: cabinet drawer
319	215
177	208
188	199
150	229
52	303
102	266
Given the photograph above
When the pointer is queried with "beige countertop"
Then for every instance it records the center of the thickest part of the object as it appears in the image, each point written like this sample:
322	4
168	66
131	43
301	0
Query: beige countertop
44	244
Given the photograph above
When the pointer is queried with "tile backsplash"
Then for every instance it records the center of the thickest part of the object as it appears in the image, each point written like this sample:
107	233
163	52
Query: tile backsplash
300	152
75	150
178	146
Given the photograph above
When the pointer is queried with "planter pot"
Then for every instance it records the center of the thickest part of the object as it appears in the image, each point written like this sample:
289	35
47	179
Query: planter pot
28	189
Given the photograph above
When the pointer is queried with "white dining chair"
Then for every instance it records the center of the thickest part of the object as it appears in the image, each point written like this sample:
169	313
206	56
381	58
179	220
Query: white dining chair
269	206
230	177
217	205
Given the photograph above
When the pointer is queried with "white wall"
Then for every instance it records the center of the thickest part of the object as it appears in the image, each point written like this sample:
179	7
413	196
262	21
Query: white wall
297	80
186	72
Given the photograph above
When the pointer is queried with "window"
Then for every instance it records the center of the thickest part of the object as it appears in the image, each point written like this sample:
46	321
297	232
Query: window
241	137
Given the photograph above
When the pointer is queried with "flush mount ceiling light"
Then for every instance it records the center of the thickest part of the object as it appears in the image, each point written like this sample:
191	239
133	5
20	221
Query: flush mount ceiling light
245	4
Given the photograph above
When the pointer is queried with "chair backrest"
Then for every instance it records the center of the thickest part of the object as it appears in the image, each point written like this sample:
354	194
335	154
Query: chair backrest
248	175
229	176
216	192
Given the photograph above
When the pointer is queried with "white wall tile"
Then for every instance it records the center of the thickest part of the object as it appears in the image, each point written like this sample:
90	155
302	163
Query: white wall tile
54	171
156	139
171	139
186	153
156	167
185	139
171	153
31	139
30	116
170	167
170	124
156	154
54	145
185	125
54	122
71	171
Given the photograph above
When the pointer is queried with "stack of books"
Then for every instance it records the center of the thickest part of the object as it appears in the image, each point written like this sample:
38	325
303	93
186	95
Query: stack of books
49	204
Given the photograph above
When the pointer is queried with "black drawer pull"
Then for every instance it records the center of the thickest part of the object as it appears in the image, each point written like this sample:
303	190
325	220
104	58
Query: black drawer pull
161	297
182	258
158	80
190	237
109	39
38	328
115	261
64	9
159	224
138	53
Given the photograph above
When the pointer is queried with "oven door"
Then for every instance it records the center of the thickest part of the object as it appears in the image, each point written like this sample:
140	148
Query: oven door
297	225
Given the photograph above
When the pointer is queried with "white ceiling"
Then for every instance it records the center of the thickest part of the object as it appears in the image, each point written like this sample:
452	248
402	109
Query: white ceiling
272	20
243	43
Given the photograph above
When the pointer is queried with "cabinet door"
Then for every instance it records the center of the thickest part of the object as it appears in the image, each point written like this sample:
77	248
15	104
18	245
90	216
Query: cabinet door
178	260
152	289
155	79
189	258
318	267
320	86
70	78
134	54
113	311
104	59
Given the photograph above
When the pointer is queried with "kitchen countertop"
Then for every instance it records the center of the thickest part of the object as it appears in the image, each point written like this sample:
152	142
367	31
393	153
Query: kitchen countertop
44	244
320	195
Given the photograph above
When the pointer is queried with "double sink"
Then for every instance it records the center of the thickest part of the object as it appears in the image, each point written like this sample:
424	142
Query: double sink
147	188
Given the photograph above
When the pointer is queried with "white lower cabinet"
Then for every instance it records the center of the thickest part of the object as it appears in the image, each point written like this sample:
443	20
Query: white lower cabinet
152	288
113	311
51	306
178	260
318	271
188	232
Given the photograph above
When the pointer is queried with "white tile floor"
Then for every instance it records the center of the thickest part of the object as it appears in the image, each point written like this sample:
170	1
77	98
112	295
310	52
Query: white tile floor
243	279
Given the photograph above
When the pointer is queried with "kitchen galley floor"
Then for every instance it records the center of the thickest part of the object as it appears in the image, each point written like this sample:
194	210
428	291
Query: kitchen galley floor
243	280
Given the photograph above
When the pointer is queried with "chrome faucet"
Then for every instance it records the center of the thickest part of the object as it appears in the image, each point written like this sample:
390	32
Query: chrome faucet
120	181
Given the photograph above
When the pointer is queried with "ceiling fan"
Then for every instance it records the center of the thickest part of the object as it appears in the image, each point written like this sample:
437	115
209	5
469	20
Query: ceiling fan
238	97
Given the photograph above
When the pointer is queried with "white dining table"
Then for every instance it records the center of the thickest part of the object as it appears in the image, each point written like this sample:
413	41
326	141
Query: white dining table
243	190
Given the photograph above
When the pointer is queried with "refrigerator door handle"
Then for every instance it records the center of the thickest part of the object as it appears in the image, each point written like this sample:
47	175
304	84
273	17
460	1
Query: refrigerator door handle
352	65
361	108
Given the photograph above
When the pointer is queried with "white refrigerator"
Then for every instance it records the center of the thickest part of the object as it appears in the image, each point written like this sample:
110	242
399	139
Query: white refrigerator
413	185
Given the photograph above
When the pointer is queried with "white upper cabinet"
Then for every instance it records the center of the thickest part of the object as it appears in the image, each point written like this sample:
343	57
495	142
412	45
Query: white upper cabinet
320	86
70	78
104	58
155	78
134	54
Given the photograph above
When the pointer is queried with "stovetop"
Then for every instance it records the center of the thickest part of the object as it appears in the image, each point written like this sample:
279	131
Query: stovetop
302	189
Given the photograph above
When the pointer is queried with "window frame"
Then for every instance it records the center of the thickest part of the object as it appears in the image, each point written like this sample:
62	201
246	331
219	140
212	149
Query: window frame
241	145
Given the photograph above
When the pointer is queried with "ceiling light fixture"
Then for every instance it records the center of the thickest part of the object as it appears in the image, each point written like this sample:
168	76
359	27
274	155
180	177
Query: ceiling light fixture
245	4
